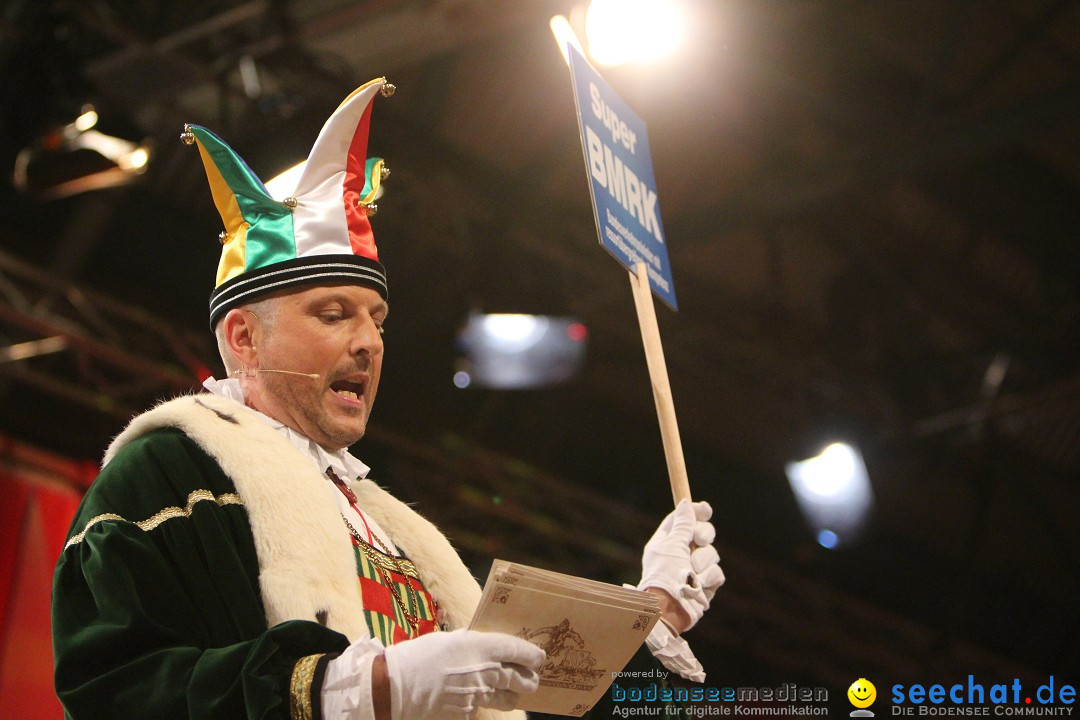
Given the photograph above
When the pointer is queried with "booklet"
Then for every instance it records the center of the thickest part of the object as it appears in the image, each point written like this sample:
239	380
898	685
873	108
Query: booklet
588	629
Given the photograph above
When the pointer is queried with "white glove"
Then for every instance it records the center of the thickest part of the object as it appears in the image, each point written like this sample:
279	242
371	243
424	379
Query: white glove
690	575
448	675
346	687
674	654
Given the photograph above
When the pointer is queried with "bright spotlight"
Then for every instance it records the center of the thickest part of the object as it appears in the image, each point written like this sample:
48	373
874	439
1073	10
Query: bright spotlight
830	474
76	158
514	351
833	492
565	36
87	119
134	161
511	332
620	31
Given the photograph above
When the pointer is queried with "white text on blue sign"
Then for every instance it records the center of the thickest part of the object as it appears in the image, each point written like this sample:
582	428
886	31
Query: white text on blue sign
607	168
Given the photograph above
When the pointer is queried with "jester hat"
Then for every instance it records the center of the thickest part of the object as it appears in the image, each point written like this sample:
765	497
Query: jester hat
320	234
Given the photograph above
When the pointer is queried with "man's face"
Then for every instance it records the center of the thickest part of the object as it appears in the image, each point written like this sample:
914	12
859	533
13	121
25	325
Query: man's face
334	331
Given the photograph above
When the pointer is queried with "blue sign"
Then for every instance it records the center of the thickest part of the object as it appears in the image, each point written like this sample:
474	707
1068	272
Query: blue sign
621	181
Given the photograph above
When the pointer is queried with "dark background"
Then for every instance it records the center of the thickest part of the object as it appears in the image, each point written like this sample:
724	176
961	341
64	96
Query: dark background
869	205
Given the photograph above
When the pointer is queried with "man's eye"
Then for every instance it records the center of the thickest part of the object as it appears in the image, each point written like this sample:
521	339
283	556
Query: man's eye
330	318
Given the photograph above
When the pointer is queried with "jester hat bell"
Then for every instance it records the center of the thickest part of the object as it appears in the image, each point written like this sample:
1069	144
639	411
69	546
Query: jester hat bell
320	233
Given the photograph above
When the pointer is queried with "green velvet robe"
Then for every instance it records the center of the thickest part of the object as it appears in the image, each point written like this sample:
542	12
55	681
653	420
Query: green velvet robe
166	620
207	573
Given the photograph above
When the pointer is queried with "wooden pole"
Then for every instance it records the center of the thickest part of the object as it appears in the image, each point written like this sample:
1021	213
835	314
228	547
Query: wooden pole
665	405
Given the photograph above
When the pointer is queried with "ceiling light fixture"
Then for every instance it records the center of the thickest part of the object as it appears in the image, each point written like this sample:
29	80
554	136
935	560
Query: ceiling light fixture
516	351
77	158
622	31
833	492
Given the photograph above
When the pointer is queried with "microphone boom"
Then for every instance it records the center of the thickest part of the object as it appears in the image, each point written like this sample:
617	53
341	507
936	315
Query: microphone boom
313	376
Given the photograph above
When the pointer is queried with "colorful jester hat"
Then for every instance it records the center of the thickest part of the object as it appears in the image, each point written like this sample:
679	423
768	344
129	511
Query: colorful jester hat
318	235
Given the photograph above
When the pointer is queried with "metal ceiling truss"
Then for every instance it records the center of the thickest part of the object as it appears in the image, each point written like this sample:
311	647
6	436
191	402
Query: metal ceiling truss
88	348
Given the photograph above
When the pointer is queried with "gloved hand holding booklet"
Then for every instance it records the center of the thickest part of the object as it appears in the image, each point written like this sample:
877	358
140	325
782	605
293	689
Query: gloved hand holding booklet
588	629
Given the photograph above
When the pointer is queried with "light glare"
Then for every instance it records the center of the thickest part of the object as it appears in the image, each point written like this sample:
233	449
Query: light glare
565	36
831	473
827	539
513	332
516	351
833	492
134	161
86	120
620	31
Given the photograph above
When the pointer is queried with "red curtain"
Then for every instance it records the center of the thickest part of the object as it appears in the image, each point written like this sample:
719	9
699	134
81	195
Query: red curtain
12	510
34	519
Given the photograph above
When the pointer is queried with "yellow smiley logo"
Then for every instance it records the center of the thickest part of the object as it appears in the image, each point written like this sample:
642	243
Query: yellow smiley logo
862	693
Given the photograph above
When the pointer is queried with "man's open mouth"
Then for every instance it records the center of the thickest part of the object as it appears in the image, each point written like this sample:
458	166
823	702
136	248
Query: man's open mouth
348	389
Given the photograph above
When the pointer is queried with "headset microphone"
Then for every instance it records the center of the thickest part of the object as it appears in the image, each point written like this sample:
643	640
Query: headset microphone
313	376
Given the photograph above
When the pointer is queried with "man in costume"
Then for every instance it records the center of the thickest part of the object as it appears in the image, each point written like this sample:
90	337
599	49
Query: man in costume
231	561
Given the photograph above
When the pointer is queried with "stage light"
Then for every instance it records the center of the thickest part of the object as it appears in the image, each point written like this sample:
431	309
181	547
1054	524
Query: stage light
515	351
565	36
507	332
833	492
621	31
87	119
127	155
77	158
829	475
135	160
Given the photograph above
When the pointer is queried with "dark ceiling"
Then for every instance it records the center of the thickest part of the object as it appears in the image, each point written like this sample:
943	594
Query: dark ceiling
872	212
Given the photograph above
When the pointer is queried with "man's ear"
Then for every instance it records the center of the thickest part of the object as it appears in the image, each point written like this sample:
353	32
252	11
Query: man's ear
240	335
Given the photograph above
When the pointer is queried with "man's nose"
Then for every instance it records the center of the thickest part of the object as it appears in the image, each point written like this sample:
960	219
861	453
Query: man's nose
367	340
